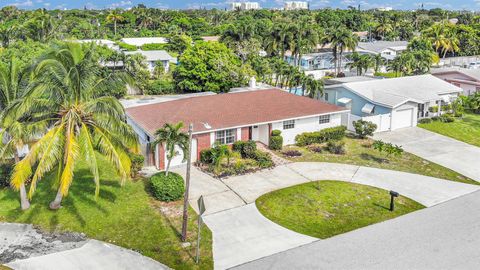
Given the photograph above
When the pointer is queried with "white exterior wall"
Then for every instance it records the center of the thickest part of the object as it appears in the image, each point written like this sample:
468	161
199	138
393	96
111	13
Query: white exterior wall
306	125
409	105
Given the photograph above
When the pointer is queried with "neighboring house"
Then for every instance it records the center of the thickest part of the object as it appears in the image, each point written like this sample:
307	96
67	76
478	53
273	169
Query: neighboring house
295	5
154	58
317	61
244	5
387	49
139	42
101	42
392	103
467	79
226	118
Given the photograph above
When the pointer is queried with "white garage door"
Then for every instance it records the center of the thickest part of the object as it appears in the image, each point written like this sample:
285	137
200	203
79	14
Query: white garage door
402	118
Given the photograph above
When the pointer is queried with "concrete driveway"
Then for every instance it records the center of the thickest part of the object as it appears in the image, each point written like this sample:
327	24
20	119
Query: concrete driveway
242	234
439	237
456	155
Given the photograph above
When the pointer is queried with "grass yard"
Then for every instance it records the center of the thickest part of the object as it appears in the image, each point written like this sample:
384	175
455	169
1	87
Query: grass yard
466	129
360	152
323	209
126	216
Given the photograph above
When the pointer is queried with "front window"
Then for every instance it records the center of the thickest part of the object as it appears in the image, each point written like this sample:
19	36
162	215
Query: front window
289	124
225	136
324	119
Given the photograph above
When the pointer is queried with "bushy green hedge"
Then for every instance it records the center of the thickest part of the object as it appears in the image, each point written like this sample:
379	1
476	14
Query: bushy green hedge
245	148
153	46
425	121
160	87
137	163
5	172
364	128
126	46
264	159
276	140
167	188
206	156
322	136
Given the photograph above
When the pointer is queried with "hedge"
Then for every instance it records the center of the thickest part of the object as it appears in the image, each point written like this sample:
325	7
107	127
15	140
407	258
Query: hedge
5	172
276	140
322	136
167	188
126	46
206	156
137	162
245	148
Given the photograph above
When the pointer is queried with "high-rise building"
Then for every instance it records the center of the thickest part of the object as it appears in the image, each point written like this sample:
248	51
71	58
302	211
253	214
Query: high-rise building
244	5
295	5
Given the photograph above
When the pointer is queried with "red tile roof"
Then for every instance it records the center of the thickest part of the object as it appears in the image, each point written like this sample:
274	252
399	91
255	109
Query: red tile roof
229	110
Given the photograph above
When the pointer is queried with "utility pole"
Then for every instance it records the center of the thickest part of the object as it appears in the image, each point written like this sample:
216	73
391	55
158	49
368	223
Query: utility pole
187	185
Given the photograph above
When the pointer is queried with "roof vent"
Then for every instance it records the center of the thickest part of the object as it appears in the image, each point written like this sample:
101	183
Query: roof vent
207	126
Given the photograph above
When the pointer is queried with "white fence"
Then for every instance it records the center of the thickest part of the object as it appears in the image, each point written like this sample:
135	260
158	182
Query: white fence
382	121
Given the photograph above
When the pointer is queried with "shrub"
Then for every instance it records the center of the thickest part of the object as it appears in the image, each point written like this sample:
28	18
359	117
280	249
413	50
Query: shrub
160	87
315	148
276	140
292	153
425	121
364	128
322	136
167	188
446	107
137	163
435	118
245	148
127	47
153	46
206	156
264	160
337	148
433	109
447	118
5	172
388	148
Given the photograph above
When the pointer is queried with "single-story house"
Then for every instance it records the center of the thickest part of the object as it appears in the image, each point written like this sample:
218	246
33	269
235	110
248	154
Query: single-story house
387	49
152	58
392	103
467	79
139	42
226	118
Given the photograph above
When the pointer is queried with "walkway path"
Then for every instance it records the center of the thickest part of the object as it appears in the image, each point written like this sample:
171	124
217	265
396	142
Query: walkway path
241	234
453	154
45	251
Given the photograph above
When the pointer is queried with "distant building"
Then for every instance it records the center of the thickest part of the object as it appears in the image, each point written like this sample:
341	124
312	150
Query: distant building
467	79
295	5
244	5
387	49
385	9
154	58
101	42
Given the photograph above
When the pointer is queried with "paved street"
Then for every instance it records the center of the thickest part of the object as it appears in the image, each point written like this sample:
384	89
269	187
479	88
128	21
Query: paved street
456	155
444	236
242	234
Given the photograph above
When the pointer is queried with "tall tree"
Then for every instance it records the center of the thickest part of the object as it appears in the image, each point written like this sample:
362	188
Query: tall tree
340	40
114	17
80	122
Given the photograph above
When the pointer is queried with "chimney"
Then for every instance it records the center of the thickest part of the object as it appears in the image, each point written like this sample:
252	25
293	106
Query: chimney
252	83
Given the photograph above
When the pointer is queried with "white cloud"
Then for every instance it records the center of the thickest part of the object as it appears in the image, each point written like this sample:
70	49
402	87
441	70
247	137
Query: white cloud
27	3
121	4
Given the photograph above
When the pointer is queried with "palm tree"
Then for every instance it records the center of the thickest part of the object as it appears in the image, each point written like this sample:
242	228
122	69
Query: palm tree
171	136
379	62
15	82
313	87
114	17
81	123
340	40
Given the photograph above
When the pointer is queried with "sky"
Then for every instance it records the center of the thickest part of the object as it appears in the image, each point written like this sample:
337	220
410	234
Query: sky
221	4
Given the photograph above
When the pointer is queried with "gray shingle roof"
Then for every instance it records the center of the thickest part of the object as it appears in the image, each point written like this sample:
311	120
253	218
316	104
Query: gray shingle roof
379	46
158	55
397	91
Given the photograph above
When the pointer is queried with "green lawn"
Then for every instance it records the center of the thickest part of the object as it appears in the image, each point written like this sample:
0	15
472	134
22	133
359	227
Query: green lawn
360	152
126	216
323	209
466	129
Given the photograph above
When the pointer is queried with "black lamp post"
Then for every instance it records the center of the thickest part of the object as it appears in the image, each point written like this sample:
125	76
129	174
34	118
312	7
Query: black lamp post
393	194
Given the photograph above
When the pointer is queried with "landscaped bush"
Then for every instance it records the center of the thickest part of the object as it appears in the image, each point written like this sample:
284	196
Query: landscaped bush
127	47
153	46
387	148
337	148
5	172
167	188
264	159
446	107
425	121
447	118
206	156
315	148
276	140
433	109
245	148
159	87
322	136
364	128
137	163
292	153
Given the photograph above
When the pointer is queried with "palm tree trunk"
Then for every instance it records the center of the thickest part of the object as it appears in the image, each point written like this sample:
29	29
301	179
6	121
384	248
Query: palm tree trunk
168	167
56	204
24	203
115	27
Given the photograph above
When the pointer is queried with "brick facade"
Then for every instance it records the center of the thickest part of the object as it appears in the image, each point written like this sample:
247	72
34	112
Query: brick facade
245	134
161	157
203	142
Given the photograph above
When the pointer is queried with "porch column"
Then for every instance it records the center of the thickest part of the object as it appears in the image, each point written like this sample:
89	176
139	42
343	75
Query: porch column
439	107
